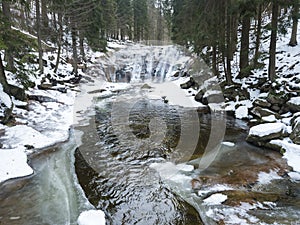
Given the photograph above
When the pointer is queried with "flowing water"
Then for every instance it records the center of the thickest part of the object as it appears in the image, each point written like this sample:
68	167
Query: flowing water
131	163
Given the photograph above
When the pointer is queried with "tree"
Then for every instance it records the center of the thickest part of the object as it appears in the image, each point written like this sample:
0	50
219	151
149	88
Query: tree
247	8
272	50
295	18
39	35
7	18
140	19
124	16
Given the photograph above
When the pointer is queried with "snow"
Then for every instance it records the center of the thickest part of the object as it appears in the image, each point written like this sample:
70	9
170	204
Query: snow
266	178
266	129
91	217
241	112
292	153
4	98
18	136
173	93
215	199
269	119
295	100
13	164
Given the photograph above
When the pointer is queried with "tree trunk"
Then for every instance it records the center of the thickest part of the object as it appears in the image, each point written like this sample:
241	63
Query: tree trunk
3	80
59	41
244	53
214	61
45	19
228	42
38	28
295	15
272	51
81	46
9	56
258	36
74	47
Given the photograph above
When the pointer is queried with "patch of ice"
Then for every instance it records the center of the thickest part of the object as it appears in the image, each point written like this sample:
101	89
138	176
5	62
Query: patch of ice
229	144
13	164
91	217
215	199
171	172
266	178
267	129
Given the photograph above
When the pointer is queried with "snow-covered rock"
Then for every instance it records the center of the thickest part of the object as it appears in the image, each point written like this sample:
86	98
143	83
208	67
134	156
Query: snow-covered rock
294	104
261	134
215	199
91	217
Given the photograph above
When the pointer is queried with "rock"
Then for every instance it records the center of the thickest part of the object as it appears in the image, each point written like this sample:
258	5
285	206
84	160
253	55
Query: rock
199	96
275	108
294	104
45	86
277	99
295	135
189	84
262	103
176	74
263	133
212	97
41	98
262	112
17	92
146	86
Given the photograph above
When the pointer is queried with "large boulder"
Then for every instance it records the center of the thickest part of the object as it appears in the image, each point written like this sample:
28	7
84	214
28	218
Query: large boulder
261	134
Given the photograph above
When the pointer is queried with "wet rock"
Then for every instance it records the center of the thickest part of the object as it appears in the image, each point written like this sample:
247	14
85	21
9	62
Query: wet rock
235	197
191	83
199	96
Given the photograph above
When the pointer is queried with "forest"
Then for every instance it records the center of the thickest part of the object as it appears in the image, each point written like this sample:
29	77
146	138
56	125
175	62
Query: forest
210	28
